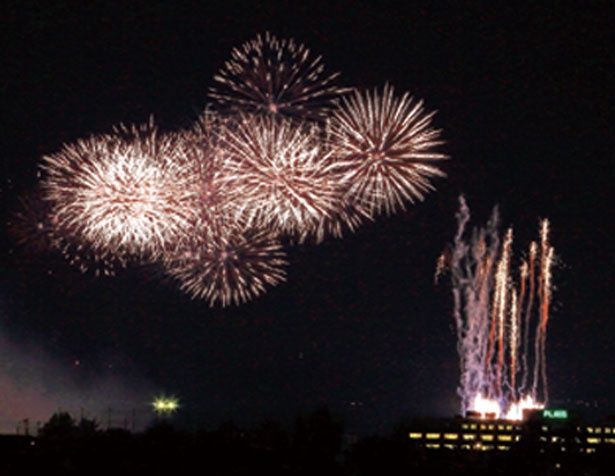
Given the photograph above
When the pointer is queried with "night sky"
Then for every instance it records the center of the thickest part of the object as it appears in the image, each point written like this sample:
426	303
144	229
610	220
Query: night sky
523	94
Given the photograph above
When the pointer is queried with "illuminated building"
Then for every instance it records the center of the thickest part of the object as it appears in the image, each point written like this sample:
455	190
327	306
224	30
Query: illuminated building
541	431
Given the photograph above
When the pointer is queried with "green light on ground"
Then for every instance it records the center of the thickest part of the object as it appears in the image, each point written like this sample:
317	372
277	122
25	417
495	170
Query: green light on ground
555	414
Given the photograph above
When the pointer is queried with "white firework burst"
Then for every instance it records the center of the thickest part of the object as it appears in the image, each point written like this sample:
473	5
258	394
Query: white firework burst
226	265
275	175
275	76
122	193
384	149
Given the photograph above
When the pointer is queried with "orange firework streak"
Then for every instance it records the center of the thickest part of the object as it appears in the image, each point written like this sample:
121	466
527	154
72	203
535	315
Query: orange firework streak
498	313
545	276
492	325
515	317
495	316
528	310
502	280
544	294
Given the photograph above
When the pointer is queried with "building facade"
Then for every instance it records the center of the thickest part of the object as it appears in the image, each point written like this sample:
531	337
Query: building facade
543	431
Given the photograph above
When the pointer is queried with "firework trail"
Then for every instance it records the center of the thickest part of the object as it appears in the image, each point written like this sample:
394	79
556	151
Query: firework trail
530	274
282	156
471	265
544	292
493	316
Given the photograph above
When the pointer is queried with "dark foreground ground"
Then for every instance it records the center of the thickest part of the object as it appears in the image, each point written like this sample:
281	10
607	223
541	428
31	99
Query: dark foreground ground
314	446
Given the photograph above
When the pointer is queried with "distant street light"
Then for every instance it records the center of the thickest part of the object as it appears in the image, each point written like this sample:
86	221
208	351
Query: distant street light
164	406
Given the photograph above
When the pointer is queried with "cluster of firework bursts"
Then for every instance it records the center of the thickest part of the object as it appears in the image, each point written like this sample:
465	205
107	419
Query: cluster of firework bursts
281	156
501	322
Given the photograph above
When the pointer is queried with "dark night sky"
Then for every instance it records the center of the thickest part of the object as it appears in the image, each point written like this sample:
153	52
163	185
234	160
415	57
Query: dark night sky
523	99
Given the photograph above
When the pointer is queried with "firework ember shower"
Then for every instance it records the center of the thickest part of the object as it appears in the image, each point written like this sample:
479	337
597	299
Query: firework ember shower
281	156
501	316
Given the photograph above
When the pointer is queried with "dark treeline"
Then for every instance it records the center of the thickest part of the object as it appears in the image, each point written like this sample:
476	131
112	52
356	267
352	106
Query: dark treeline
315	445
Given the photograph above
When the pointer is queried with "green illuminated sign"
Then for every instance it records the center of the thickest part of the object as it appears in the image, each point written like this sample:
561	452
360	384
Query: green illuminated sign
555	414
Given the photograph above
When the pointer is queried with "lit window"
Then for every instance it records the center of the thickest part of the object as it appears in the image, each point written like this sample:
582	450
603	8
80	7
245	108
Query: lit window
451	436
432	446
503	447
593	441
416	436
610	441
473	426
469	436
486	437
464	426
432	436
590	429
504	438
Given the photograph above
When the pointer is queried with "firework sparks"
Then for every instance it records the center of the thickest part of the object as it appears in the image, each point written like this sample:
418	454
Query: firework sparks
228	267
275	175
275	76
493	319
285	162
349	217
121	193
384	149
30	224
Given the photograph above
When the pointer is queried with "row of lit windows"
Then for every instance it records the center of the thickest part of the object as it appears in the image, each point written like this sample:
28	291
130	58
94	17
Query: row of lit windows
481	447
464	436
599	429
594	430
433	436
475	447
490	426
597	441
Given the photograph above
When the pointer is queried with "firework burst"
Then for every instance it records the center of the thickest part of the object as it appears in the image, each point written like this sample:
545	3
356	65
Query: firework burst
384	149
275	175
287	157
120	193
347	219
228	266
273	76
200	156
34	229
